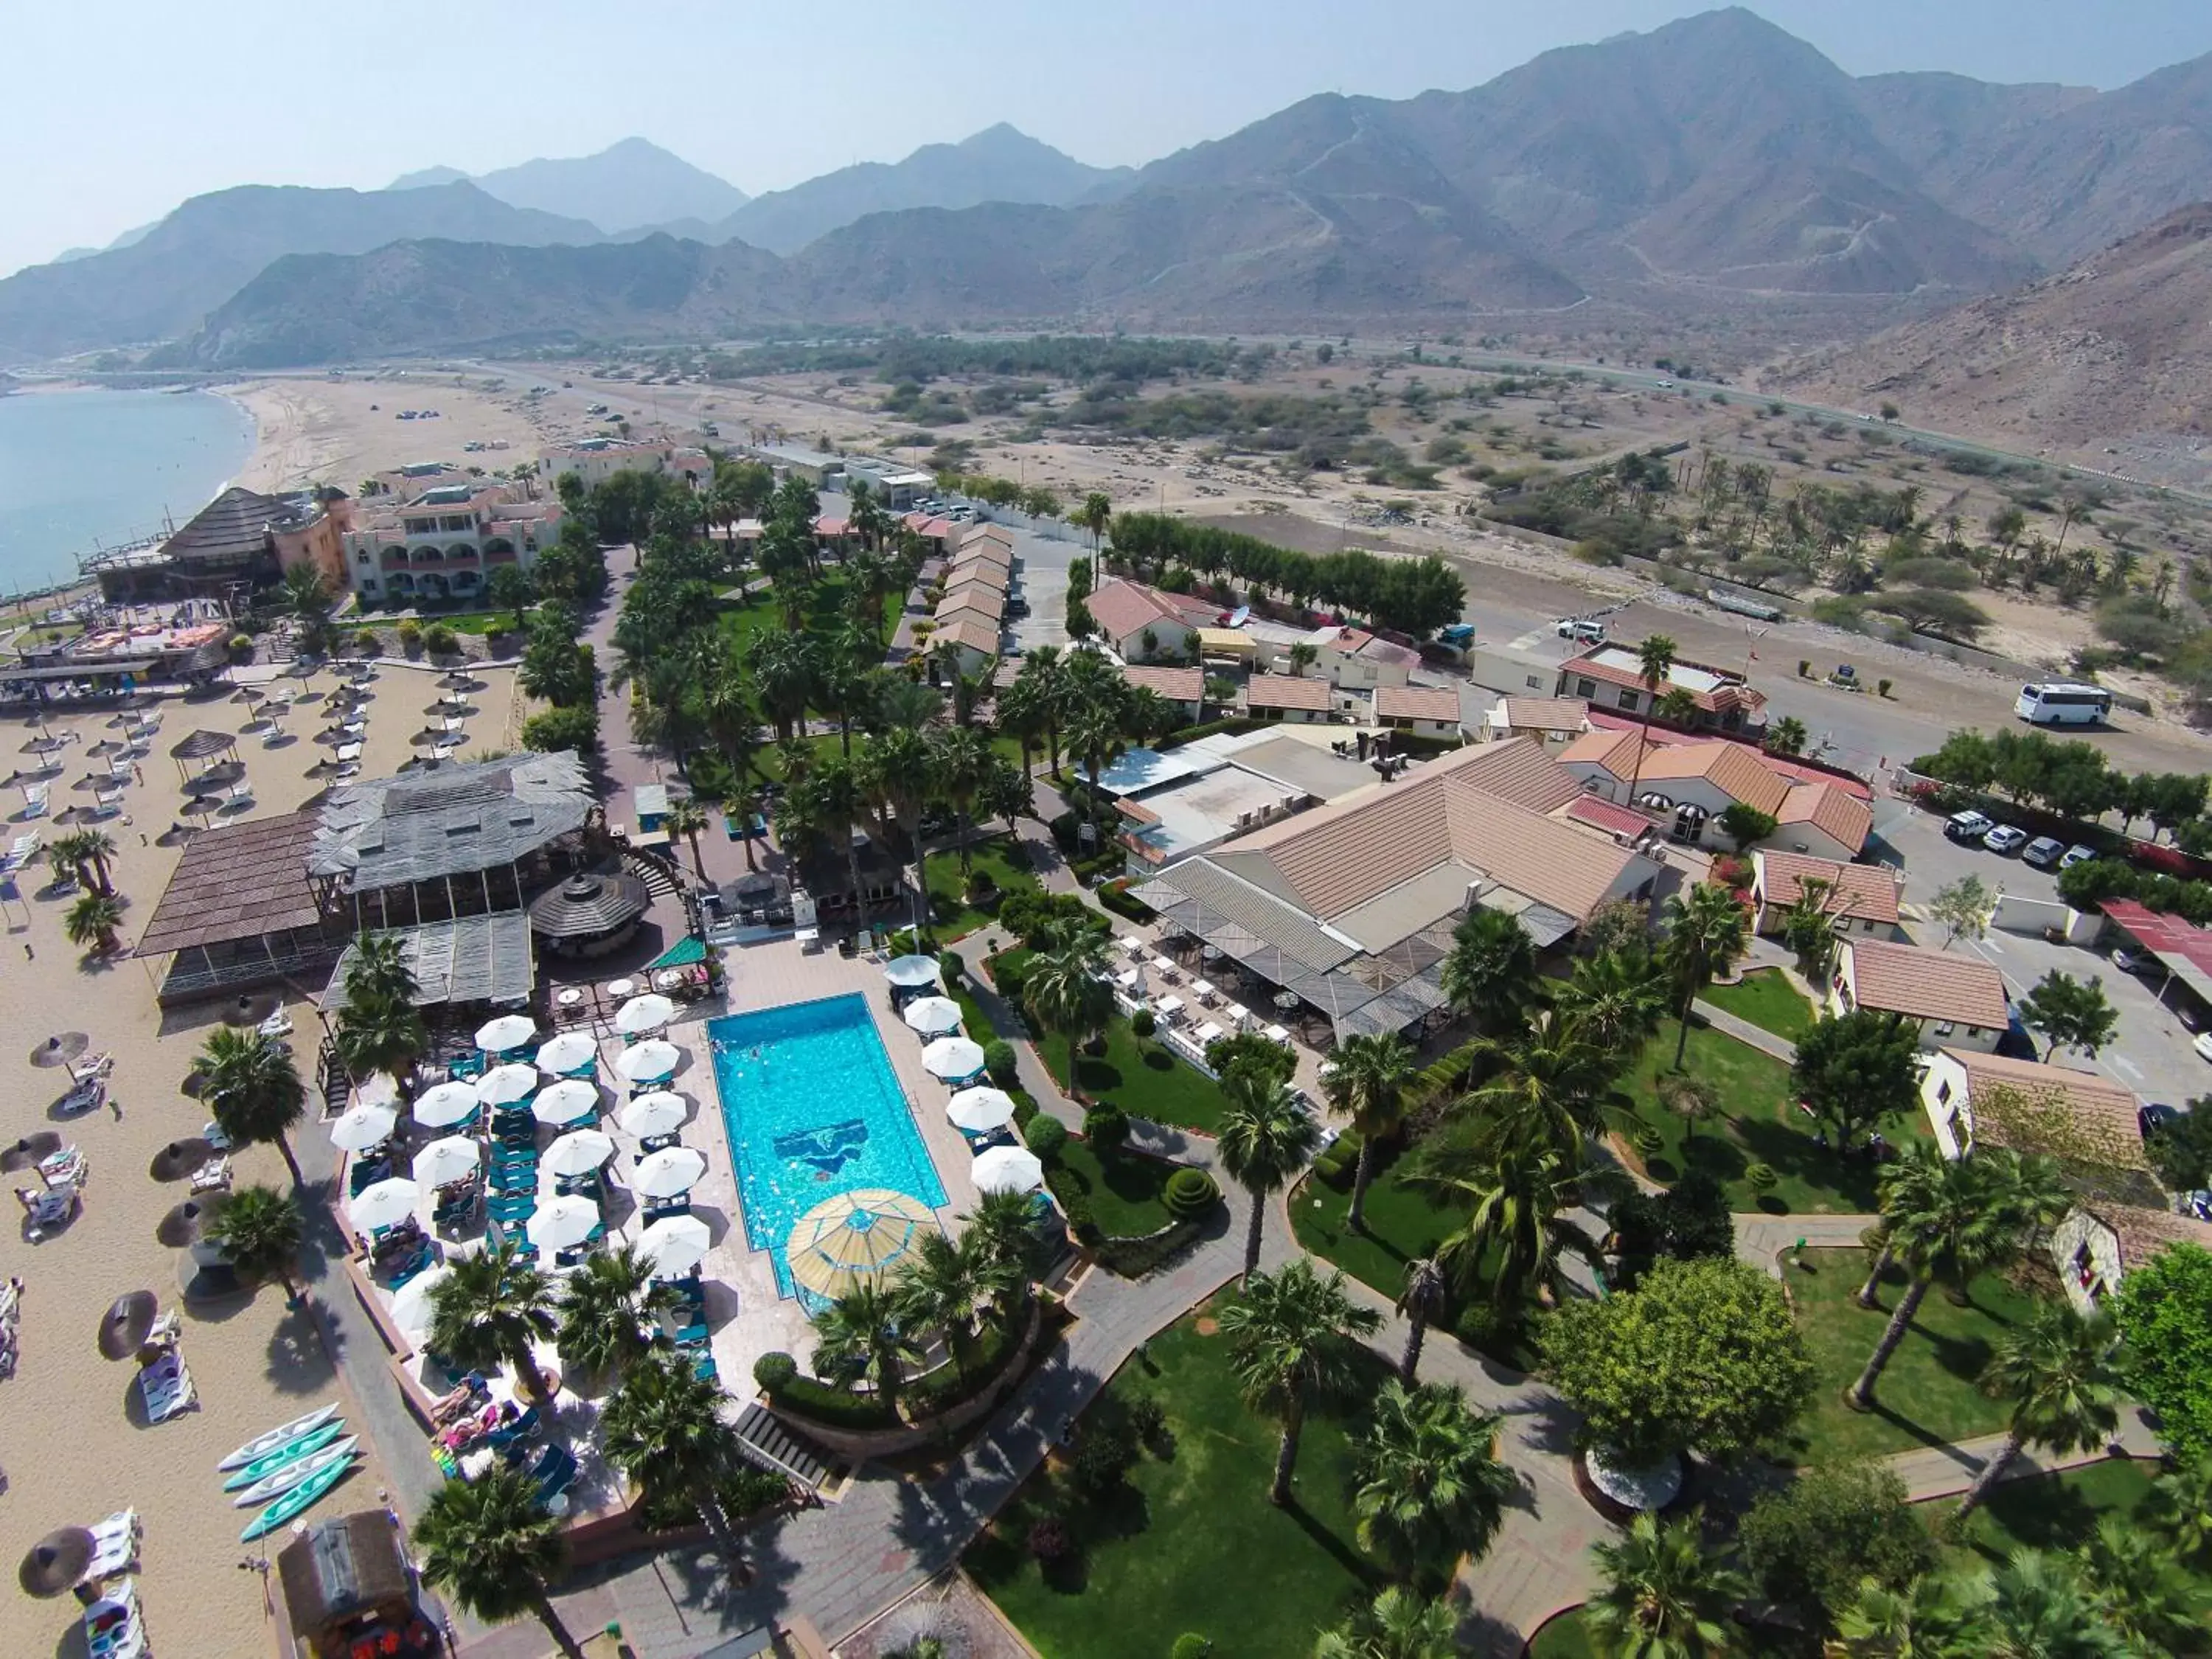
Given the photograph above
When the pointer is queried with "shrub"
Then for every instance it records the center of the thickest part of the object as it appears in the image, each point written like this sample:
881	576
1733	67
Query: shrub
1045	1135
557	729
1760	1177
1080	1221
1338	1160
1106	1126
950	969
1115	896
442	642
1190	1194
1102	1457
369	641
411	636
1050	1539
774	1371
241	646
1148	1418
1190	1645
806	1396
1648	1140
1143	1023
1008	977
998	1062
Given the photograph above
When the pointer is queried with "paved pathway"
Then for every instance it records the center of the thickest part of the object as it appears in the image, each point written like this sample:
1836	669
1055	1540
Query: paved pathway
1756	1037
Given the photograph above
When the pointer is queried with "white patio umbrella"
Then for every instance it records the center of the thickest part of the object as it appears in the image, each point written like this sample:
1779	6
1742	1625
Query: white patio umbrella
360	1127
561	1223
670	1170
578	1152
641	1014
1008	1170
385	1204
444	1162
652	1058
567	1053
931	1015
953	1057
981	1110
378	1089
911	973
504	1085
674	1245
445	1104
569	1101
660	1113
410	1302
507	1031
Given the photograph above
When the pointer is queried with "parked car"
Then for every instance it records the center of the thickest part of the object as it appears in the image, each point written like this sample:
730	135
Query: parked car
1968	826
2005	839
1581	629
2131	961
2043	852
2075	855
2153	1116
2203	1045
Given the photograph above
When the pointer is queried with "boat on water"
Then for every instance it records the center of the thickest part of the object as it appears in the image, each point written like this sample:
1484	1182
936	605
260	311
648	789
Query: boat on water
290	1452
297	1501
300	1469
262	1444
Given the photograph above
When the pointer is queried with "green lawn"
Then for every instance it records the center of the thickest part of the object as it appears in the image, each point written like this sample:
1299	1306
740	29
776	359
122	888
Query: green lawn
742	621
1758	1122
1768	1000
1401	1226
1124	1189
1000	857
1194	1546
1928	1394
1142	1078
2056	1511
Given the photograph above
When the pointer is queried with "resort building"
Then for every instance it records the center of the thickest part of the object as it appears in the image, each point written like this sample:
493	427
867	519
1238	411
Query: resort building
241	541
2099	1244
1351	906
1953	1002
1147	625
1973	1098
239	912
1859	898
896	486
1425	711
443	545
1352	658
1287	698
1183	687
595	460
1696	780
1614	675
1555	721
819	467
1177	802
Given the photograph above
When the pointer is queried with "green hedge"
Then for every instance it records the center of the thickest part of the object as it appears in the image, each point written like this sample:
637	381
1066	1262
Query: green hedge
1115	896
840	1408
1132	1258
1340	1160
1207	728
948	1386
1190	1194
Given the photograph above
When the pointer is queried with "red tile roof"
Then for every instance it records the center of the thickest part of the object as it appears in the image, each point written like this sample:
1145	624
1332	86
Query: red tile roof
1417	702
1125	609
1287	691
2103	1111
1924	984
1845	818
1177	684
1615	819
1858	892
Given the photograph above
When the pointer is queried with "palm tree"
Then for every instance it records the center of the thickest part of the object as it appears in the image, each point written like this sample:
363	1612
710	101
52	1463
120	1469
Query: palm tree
1431	1487
1663	1597
2138	1589
1095	733
2179	1509
2040	1609
378	968
861	1336
1093	514
610	1310
1963	1224
898	770
1003	1226
1020	713
1655	658
89	852
1615	999
1266	1139
1065	990
688	818
1521	1190
1937	1616
1706	931
1907	1183
381	1034
1397	1624
492	1309
1293	1346
1421	1302
1301	657
664	1429
1367	1080
828	804
254	1090
259	1230
489	1545
1549	1089
964	762
307	596
952	1287
92	922
1491	969
2058	1371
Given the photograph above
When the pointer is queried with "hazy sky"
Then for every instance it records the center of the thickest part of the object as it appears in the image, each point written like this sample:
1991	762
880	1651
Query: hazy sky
116	110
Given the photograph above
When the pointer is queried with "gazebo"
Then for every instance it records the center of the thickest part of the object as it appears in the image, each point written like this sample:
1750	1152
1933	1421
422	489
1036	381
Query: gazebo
205	749
590	913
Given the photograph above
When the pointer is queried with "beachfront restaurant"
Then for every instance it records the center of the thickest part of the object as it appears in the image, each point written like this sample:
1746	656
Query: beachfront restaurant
239	913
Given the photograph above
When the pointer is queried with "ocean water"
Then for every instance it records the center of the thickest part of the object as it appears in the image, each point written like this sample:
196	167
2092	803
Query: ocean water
81	468
818	1113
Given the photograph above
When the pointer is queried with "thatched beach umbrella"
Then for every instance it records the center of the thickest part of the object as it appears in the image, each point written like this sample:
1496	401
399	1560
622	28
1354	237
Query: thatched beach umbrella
179	1158
56	1562
31	1151
125	1326
182	1223
59	1049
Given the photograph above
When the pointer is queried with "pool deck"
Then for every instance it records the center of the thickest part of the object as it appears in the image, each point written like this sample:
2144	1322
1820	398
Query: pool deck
776	975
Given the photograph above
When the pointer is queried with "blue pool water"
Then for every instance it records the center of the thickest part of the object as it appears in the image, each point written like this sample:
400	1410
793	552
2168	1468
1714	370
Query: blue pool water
817	1113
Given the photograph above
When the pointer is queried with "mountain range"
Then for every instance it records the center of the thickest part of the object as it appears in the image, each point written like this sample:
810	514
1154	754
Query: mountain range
1711	164
628	185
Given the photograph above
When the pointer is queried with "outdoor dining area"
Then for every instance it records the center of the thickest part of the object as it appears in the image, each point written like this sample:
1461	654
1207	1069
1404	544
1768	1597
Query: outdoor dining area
1198	995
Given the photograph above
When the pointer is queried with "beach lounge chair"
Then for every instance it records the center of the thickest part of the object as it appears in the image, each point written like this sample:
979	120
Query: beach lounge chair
88	1096
212	1175
52	1207
212	1133
554	1468
115	1544
706	1369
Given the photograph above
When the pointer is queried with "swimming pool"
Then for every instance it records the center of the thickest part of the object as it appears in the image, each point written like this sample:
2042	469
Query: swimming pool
818	1113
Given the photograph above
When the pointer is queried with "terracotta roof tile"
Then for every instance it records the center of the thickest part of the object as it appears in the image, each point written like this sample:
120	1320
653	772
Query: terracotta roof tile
2103	1111
972	600
1125	608
1179	684
2142	1233
1924	984
1547	714
1831	810
970	630
1860	892
1287	691
1418	702
1608	816
1727	766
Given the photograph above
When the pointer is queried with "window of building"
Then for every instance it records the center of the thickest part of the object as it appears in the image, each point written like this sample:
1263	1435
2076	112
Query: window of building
1585	687
1973	1031
1943	1092
1944	1028
1534	681
1628	698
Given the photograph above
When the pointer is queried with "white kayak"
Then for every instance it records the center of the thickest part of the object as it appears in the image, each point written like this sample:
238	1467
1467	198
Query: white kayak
296	1471
262	1445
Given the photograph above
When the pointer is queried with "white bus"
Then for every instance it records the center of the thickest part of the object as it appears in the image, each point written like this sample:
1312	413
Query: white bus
2064	703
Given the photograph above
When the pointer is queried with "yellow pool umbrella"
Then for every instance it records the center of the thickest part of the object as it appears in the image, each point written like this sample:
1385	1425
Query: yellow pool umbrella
852	1237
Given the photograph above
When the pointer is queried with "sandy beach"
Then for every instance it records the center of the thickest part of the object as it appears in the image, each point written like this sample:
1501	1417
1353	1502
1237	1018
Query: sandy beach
73	1441
326	430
